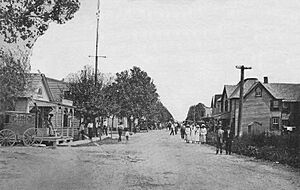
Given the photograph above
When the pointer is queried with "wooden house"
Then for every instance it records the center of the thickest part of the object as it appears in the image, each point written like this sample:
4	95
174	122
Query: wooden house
275	106
46	97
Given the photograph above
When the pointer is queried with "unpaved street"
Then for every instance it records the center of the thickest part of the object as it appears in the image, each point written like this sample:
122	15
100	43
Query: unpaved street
152	160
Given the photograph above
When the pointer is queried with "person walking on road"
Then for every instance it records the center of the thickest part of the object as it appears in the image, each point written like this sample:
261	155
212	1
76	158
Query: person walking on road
120	131
182	131
127	134
172	129
176	128
228	137
220	134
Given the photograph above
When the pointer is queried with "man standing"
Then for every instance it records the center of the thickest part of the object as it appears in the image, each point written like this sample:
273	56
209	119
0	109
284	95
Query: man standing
228	137
90	129
220	134
120	130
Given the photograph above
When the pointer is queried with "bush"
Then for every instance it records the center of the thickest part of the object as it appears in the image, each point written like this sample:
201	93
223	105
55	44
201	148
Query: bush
284	149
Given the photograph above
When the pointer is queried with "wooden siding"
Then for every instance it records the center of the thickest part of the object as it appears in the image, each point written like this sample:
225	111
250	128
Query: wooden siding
22	105
257	109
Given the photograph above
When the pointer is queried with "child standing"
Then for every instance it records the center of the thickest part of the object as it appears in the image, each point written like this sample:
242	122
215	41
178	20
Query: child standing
127	135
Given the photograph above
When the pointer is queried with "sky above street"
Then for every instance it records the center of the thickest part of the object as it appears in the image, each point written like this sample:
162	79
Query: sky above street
188	47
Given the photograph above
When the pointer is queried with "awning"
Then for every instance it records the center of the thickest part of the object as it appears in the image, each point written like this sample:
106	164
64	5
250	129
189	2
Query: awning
43	104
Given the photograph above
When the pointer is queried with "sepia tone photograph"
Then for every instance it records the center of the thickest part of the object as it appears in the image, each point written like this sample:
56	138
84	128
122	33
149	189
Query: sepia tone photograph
149	94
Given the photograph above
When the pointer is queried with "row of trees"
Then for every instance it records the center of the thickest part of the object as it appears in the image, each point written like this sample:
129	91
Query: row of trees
130	93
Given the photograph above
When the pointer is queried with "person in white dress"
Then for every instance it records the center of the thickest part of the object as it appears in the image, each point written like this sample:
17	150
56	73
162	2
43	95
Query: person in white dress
197	134
187	134
203	133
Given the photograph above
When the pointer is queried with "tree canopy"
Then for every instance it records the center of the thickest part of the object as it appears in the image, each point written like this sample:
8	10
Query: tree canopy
29	19
131	93
88	97
13	80
196	112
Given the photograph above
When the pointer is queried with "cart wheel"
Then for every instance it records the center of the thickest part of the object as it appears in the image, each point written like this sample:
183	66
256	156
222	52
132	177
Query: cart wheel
32	136
7	137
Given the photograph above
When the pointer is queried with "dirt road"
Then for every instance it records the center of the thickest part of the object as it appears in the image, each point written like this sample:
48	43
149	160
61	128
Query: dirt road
152	160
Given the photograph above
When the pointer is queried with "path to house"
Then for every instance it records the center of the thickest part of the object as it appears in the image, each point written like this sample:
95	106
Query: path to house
152	160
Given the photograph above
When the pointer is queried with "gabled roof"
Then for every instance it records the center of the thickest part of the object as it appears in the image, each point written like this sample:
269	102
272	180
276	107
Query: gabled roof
57	88
33	80
229	89
215	99
284	91
248	83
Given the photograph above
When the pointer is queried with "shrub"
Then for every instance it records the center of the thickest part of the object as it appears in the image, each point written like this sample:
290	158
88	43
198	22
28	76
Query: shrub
284	149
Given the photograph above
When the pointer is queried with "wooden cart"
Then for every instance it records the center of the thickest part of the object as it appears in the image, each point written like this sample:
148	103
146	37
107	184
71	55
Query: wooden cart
19	127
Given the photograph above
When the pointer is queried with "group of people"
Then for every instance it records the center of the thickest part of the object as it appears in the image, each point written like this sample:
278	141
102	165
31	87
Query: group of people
196	133
99	130
193	133
224	137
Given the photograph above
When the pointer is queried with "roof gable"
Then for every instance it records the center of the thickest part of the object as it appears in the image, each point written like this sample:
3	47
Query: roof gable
39	88
248	84
57	88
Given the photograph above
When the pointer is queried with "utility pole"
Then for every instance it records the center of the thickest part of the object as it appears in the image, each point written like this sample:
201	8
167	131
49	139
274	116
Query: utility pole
242	68
97	39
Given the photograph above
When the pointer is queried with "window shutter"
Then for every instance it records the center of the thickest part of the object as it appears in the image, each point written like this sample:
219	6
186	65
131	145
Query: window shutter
280	104
271	105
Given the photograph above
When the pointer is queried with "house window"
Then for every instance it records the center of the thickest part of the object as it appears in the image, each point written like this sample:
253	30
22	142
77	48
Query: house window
285	122
258	92
40	91
226	105
274	105
275	123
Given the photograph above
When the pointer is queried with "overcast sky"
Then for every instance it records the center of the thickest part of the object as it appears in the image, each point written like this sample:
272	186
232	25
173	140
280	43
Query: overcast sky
189	47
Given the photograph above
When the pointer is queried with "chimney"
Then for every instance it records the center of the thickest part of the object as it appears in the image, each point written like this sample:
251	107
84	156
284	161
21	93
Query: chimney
266	80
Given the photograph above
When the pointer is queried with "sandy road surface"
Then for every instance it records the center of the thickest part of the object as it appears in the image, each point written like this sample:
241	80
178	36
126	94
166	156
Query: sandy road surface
151	160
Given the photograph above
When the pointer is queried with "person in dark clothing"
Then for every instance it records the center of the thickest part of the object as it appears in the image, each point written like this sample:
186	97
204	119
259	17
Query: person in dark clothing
228	137
182	131
120	130
105	129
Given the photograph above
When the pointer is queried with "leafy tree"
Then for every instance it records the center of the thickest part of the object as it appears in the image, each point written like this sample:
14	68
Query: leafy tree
196	112
87	97
136	93
159	113
13	80
29	19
